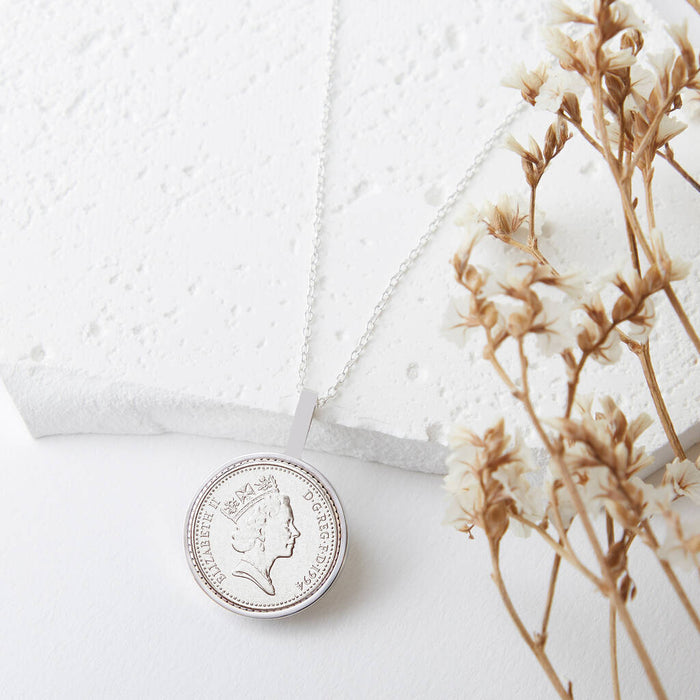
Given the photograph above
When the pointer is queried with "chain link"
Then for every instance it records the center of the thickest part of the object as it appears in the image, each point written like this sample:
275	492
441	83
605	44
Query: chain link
412	256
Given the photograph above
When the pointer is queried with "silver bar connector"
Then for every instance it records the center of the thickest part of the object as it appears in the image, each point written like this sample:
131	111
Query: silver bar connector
301	423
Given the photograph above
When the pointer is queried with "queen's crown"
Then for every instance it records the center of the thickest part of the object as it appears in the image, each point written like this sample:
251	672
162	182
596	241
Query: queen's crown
248	496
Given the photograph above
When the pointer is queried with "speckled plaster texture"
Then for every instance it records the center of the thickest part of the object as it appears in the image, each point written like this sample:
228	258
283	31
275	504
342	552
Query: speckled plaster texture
158	174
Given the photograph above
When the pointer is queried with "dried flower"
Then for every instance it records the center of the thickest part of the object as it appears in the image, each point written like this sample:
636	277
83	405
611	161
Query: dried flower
632	39
466	493
506	217
558	85
528	82
593	486
561	13
634	308
642	82
552	327
671	270
652	500
679	34
596	335
662	63
461	436
668	129
639	325
534	159
681	547
621	16
615	60
560	506
572	54
467	217
684	477
487	481
514	477
457	321
605	439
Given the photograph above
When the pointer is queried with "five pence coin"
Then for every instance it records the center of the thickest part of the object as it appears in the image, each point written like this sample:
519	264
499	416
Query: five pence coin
266	536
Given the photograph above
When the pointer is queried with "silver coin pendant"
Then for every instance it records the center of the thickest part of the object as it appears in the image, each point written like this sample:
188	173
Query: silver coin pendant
266	536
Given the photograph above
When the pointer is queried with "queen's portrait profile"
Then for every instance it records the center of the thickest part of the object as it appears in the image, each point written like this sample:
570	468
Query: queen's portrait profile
264	530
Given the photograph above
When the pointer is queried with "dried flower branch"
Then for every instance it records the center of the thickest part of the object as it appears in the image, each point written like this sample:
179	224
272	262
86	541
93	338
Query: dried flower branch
595	452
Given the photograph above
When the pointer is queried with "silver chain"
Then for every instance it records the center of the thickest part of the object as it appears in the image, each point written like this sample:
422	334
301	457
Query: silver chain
408	261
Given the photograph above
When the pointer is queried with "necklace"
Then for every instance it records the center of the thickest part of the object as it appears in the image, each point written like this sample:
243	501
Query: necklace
268	511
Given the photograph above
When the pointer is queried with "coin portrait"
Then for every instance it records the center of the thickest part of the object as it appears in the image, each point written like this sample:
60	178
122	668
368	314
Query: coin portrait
265	536
263	530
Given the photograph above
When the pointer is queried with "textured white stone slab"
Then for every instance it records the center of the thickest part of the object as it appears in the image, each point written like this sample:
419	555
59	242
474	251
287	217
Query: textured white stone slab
157	173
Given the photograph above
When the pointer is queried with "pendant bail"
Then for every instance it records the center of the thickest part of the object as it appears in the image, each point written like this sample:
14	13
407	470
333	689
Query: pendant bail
301	423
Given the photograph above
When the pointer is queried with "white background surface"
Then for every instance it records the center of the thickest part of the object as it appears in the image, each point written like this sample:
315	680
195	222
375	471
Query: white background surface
95	596
96	599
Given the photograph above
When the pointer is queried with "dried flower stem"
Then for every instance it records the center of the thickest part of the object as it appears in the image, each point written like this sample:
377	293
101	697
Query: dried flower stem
607	584
553	576
630	215
634	233
559	525
617	605
534	252
582	130
612	620
650	537
673	579
680	312
532	244
643	352
647	176
520	246
599	120
573	383
669	157
612	630
651	216
531	249
668	290
667	154
490	355
652	131
631	242
565	552
621	144
537	649
610	590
